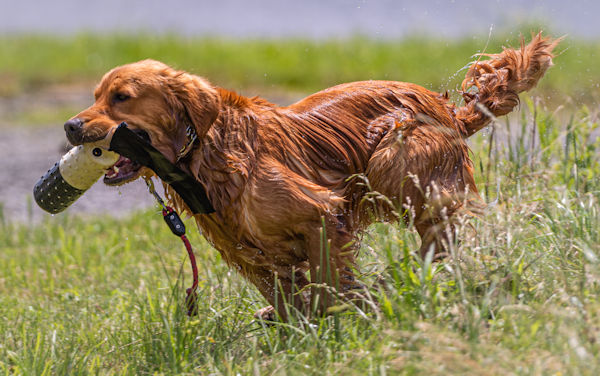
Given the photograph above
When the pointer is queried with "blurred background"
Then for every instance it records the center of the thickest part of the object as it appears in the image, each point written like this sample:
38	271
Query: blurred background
53	53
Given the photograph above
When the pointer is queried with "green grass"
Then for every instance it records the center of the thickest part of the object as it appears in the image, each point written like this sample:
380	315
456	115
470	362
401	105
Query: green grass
33	67
518	294
30	62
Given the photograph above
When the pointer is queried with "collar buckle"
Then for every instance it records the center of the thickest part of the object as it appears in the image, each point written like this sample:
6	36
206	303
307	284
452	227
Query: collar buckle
191	136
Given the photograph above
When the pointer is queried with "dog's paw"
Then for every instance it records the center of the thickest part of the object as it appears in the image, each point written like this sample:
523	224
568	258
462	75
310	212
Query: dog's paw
266	314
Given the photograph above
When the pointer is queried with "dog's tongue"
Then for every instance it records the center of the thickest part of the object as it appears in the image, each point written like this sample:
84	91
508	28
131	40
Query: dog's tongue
122	160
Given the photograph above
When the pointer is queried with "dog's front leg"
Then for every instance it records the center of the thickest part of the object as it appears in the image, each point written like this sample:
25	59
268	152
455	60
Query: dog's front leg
282	289
331	256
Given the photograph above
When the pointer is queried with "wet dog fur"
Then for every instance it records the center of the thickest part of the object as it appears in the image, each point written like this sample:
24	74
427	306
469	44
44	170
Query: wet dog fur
285	179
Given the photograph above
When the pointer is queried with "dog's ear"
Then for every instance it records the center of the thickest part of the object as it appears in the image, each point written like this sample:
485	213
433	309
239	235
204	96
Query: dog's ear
194	99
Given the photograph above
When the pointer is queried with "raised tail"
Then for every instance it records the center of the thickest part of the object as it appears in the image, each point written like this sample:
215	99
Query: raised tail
492	87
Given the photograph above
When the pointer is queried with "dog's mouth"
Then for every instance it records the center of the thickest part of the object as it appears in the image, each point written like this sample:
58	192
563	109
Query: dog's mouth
123	171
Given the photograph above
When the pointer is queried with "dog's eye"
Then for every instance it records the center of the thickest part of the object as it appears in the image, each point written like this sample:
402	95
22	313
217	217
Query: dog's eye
120	97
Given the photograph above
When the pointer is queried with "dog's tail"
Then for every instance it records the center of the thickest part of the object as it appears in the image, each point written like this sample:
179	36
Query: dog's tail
491	87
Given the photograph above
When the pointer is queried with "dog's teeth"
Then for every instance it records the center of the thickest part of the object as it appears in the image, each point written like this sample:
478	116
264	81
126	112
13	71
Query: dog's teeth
112	172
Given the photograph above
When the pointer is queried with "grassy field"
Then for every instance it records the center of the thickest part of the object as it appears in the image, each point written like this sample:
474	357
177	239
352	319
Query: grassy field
35	70
30	62
518	294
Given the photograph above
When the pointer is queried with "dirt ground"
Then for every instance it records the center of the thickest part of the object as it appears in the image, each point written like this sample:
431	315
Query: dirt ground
27	152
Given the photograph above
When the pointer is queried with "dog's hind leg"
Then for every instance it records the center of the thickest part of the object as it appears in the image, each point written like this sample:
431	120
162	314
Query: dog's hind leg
425	172
436	232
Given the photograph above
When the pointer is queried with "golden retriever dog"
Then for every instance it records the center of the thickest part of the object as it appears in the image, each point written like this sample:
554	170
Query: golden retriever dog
294	186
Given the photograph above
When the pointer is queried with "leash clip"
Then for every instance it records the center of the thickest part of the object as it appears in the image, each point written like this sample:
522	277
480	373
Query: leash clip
152	191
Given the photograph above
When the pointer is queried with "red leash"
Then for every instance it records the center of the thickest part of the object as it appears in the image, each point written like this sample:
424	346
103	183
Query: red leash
178	228
192	296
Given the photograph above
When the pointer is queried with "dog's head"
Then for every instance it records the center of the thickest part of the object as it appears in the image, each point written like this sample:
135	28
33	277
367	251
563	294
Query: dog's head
155	100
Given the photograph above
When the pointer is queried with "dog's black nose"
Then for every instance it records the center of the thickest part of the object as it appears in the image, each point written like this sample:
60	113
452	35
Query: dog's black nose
74	130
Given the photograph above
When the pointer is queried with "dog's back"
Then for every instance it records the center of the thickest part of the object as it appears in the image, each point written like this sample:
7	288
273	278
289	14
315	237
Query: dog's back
401	140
